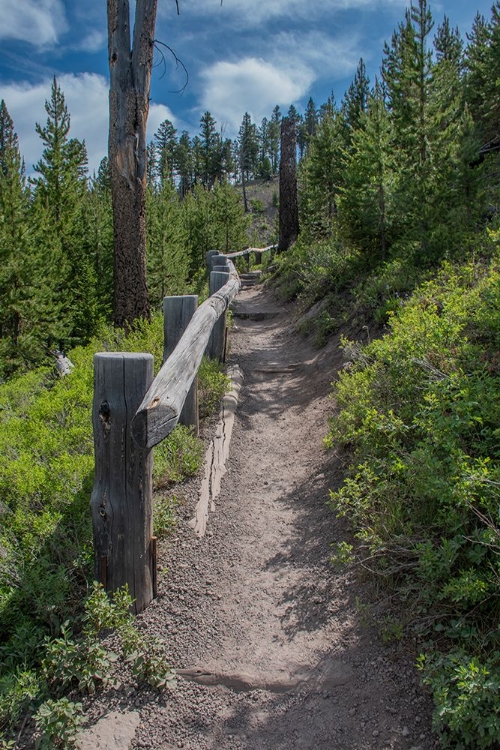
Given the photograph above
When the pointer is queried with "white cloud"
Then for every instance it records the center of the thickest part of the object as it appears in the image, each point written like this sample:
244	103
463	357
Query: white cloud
86	97
329	57
93	42
252	85
39	22
255	13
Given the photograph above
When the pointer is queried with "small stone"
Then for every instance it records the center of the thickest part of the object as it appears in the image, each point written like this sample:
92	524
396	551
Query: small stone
405	732
375	733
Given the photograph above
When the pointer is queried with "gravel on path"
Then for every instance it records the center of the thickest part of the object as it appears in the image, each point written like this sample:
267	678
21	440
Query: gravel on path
272	644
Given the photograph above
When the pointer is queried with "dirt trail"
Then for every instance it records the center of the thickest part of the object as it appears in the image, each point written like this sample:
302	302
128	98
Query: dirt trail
274	647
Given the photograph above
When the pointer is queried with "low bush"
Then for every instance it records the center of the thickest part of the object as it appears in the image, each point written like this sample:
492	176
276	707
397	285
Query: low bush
418	425
46	477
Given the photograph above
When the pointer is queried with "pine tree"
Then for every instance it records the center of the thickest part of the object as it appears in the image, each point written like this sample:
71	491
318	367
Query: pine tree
168	262
356	98
476	74
248	147
230	223
366	198
274	134
14	249
184	163
166	146
59	192
448	43
210	150
307	128
322	175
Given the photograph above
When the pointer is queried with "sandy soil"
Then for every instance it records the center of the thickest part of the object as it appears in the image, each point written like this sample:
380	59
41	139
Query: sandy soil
279	652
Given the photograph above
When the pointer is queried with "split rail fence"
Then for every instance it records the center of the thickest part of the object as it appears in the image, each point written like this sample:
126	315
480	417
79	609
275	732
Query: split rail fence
132	412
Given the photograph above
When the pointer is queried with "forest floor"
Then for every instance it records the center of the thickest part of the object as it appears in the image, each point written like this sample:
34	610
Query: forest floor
282	650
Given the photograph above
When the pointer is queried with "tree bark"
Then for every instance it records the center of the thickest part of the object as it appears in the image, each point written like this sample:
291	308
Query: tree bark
130	78
288	208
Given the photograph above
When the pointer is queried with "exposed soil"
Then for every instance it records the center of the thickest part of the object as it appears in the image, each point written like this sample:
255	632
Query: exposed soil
274	646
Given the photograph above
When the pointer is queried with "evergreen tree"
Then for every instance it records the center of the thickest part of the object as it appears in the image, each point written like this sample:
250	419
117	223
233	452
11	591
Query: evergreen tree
248	147
476	72
366	200
14	248
166	146
210	150
265	167
274	135
322	175
229	219
356	98
307	128
59	192
197	209
168	262
448	43
184	163
98	241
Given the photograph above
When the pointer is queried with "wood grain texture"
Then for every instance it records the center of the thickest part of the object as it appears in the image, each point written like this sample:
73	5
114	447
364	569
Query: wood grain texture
159	411
177	314
121	501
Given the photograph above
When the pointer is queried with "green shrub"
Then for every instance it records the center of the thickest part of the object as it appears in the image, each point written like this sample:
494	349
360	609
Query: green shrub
467	695
212	384
57	723
176	457
418	425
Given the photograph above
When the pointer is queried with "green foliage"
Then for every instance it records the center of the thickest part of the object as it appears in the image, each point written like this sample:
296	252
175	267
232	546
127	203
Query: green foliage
467	696
212	384
418	423
176	457
57	723
46	477
164	515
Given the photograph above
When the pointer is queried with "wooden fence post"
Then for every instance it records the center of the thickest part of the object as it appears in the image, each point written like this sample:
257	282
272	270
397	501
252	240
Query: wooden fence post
217	342
177	312
218	260
121	500
208	258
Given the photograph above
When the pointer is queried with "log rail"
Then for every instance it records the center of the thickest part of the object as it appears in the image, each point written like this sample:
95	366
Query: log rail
132	412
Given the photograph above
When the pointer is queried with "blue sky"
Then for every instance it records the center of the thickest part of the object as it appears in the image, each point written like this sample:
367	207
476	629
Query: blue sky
247	55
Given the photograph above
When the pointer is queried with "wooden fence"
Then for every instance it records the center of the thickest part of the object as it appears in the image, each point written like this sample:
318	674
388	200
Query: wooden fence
132	412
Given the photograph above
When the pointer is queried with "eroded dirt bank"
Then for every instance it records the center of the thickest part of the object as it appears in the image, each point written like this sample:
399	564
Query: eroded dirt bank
274	641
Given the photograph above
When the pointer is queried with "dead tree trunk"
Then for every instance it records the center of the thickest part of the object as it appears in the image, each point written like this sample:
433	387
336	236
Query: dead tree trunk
288	208
130	77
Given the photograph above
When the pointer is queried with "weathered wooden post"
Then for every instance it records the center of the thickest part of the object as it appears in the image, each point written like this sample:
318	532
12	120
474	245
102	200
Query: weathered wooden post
121	500
177	312
216	348
208	259
218	260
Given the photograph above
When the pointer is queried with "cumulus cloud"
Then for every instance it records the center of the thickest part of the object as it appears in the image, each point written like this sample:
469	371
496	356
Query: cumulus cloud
253	85
86	97
39	22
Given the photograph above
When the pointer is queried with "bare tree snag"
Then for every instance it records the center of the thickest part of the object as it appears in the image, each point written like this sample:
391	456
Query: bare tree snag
130	78
288	209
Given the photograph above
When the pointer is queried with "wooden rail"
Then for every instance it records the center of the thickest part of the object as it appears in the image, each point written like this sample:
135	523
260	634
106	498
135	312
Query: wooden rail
256	250
159	411
128	423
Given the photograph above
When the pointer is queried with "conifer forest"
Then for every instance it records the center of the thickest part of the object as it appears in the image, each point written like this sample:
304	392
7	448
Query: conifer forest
399	248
